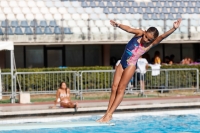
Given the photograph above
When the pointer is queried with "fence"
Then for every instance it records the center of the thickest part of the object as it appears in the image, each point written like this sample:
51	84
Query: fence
6	84
6	89
45	82
97	81
168	79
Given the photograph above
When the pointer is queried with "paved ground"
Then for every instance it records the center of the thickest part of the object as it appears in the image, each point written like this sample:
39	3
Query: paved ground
86	106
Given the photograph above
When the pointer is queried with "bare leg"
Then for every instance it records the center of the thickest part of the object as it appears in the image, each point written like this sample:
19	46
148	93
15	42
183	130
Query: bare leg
141	93
117	77
69	105
126	76
142	85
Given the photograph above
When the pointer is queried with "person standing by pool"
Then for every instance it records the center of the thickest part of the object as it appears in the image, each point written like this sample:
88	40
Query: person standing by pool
63	96
137	46
142	66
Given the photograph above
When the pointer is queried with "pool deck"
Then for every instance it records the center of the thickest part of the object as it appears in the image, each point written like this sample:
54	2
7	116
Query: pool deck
88	106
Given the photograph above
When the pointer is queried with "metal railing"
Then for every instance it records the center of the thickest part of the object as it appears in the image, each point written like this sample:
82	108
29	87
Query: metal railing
97	81
45	82
6	89
168	79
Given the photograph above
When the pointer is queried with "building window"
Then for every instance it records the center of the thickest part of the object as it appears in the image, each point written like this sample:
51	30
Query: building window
34	56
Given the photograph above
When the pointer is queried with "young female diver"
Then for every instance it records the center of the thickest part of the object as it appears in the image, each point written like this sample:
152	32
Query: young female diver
137	46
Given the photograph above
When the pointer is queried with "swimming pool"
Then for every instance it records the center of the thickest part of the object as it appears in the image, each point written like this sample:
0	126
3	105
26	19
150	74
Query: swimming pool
179	121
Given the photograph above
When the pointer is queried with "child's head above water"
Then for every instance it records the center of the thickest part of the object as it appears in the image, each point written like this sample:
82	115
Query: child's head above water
150	35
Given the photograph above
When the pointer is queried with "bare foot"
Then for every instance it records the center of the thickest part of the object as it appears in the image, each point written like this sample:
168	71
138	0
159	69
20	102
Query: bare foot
106	118
99	120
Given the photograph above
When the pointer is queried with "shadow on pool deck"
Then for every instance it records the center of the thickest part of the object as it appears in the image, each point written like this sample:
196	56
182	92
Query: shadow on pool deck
88	106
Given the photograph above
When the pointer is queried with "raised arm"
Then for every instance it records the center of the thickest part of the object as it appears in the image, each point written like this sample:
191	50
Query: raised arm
126	28
166	34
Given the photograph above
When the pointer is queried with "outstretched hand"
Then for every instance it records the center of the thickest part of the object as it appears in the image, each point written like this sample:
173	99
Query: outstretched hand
177	23
114	23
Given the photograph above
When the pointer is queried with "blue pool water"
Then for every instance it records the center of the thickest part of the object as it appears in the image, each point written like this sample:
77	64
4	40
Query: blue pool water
129	123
